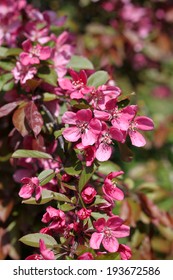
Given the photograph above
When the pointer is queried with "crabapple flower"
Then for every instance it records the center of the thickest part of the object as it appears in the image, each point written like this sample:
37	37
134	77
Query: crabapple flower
84	126
108	232
23	73
104	150
55	218
88	152
88	194
31	186
77	86
86	256
33	54
125	252
110	189
141	123
46	253
84	213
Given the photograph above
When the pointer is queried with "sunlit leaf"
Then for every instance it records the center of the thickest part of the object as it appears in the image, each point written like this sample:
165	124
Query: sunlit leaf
30	154
34	238
79	62
98	78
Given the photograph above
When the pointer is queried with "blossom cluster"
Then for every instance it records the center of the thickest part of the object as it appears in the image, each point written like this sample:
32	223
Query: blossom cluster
66	122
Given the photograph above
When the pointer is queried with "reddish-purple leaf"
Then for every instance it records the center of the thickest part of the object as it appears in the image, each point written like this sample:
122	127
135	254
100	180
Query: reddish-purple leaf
34	118
19	121
8	108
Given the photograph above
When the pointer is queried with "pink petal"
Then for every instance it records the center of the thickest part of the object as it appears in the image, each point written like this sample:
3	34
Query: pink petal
72	134
26	45
25	58
144	123
103	152
100	224
46	253
38	191
116	134
122	231
83	76
95	125
26	191
113	192
77	94
69	117
34	60
96	239
101	115
84	115
88	138
110	244
65	84
114	222
114	175
137	138
45	53
125	252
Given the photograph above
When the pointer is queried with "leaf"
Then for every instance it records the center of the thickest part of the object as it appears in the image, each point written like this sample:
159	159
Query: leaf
67	207
13	52
49	96
34	238
107	167
45	176
60	197
8	108
99	200
74	169
4	79
33	117
30	154
98	78
85	176
48	75
6	65
19	121
79	62
97	215
58	133
3	51
109	256
46	196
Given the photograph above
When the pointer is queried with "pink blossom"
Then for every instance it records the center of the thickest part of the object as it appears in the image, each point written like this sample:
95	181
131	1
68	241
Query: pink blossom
88	152
37	31
86	256
108	232
55	218
110	188
104	150
139	123
88	194
46	253
33	54
84	126
125	252
23	73
77	86
84	213
31	186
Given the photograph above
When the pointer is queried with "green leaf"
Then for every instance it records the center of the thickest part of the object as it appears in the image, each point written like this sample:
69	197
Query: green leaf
107	167
79	62
49	96
85	176
46	196
34	238
97	215
13	52
98	200
67	207
109	256
3	51
4	79
30	154
58	133
6	65
98	78
45	176
74	170
48	75
60	197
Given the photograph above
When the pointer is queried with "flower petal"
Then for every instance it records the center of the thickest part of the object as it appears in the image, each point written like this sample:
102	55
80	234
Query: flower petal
71	134
110	244
137	138
103	152
144	123
69	117
96	239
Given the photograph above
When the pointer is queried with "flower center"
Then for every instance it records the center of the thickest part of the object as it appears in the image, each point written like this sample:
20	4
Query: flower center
82	126
107	139
133	126
78	84
35	51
